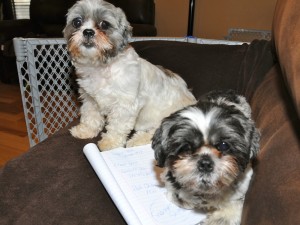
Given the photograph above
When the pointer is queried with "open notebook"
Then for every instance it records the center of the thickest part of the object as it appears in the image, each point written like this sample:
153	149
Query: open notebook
132	180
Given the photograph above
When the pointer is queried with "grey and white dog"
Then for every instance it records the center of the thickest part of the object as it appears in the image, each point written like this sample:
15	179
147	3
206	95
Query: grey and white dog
206	150
118	89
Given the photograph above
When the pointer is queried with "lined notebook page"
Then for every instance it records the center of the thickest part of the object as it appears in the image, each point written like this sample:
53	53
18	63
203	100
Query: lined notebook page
137	179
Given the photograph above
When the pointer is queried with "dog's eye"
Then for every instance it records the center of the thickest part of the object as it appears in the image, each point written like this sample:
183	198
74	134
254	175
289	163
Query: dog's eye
77	22
222	146
104	25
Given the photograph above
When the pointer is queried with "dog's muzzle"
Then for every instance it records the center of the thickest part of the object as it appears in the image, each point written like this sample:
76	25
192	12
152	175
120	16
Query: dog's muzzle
205	164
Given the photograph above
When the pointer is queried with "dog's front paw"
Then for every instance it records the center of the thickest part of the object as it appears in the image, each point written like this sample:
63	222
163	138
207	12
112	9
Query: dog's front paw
110	142
140	138
219	221
173	197
223	217
137	142
82	131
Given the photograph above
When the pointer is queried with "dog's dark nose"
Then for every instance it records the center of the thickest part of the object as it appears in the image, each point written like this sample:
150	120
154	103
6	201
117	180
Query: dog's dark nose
88	33
205	164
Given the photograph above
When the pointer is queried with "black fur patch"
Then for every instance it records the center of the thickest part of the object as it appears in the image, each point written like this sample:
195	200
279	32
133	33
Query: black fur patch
173	181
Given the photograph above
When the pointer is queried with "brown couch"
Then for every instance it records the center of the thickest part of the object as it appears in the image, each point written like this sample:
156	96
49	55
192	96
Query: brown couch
54	184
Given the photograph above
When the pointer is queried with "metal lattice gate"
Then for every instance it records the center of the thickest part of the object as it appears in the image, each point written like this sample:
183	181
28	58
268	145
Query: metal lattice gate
47	86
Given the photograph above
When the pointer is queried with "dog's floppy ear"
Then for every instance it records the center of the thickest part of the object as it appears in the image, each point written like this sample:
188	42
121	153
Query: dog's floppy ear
255	138
173	136
157	145
127	33
162	141
124	26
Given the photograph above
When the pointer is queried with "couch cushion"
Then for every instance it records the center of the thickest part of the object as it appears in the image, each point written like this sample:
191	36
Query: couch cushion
286	31
209	67
273	196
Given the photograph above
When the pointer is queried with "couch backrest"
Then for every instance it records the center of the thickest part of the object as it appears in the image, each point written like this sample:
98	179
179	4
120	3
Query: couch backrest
137	11
50	11
7	10
50	15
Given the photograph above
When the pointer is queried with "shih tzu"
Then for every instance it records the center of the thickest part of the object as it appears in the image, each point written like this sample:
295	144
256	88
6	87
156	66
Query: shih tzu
119	90
206	150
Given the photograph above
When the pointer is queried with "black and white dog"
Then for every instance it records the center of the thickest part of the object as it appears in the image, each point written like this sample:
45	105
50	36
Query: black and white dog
206	150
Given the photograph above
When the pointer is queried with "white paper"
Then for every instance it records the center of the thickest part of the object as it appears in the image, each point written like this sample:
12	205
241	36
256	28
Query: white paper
136	179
